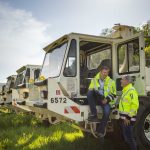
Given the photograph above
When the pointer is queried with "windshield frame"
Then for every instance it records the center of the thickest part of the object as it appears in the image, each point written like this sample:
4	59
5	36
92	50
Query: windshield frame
8	83
64	55
23	79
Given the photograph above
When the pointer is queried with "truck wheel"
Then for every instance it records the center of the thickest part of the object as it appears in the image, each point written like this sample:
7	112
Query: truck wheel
143	127
145	124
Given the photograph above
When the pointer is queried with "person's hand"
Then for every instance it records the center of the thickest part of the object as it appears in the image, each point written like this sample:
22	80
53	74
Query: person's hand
96	92
126	122
104	101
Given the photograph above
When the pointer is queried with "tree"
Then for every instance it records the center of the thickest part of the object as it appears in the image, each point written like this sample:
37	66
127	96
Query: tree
146	29
106	31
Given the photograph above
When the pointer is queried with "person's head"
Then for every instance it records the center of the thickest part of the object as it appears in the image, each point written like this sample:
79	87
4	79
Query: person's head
126	79
104	71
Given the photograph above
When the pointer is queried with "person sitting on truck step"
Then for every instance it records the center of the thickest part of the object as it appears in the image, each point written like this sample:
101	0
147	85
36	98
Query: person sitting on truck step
102	91
128	107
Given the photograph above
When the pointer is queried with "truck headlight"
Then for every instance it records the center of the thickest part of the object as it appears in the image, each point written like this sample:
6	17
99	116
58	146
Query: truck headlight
25	95
44	94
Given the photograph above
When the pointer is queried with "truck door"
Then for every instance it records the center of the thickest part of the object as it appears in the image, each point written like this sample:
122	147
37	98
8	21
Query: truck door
130	60
69	81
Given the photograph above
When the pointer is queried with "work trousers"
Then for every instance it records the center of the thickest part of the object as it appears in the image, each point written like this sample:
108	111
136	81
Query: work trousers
96	99
128	135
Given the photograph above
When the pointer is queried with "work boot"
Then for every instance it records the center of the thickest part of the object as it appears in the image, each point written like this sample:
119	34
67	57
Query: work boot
100	137
93	119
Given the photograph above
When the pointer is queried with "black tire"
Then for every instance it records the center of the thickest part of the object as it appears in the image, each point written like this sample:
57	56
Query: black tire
143	125
146	125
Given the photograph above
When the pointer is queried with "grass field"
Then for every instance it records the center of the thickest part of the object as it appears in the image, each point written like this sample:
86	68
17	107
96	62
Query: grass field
24	132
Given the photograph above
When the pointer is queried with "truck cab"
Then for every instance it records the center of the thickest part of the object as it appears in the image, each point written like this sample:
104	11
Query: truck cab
2	93
6	90
9	88
25	90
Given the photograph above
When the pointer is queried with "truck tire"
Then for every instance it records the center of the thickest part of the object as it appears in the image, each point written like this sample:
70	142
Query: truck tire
142	127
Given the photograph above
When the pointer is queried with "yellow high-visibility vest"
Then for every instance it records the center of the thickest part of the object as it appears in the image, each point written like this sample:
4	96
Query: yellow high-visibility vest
109	87
129	103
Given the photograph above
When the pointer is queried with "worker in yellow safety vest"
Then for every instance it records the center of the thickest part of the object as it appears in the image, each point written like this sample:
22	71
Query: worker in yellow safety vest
128	107
102	91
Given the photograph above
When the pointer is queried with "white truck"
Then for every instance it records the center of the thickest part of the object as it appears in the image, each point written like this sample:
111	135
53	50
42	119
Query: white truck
8	89
2	93
71	61
25	92
6	93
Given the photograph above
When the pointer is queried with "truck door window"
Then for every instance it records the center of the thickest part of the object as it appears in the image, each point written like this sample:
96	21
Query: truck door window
12	82
36	74
128	57
71	63
27	75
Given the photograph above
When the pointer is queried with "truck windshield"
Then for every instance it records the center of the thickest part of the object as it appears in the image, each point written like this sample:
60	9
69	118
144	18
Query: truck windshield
53	61
8	84
20	78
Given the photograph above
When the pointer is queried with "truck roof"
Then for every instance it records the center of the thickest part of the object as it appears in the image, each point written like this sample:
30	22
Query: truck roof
28	66
81	36
118	29
9	77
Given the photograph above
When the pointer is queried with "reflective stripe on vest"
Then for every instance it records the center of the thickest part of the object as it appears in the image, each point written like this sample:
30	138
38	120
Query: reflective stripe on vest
95	87
109	86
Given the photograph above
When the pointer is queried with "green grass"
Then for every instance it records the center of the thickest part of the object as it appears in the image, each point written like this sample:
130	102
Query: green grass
24	132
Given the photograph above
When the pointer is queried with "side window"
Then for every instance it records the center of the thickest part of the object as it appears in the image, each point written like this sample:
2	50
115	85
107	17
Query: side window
71	63
27	75
27	72
128	57
36	74
12	82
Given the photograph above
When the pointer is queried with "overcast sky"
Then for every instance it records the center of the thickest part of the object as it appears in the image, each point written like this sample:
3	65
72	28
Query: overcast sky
26	26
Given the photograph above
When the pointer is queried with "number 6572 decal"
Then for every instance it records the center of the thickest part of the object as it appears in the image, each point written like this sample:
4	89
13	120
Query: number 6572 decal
58	100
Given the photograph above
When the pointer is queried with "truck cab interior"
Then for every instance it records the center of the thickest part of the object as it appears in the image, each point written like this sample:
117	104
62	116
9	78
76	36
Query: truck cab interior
93	55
